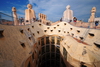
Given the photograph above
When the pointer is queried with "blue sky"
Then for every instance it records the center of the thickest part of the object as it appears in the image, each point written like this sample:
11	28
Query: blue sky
52	8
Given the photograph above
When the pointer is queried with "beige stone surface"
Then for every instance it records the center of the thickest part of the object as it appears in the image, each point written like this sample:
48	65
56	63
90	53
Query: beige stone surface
10	48
6	63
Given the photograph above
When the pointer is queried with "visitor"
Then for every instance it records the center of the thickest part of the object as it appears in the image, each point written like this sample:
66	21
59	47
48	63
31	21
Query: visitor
21	20
48	23
36	19
61	20
75	19
96	23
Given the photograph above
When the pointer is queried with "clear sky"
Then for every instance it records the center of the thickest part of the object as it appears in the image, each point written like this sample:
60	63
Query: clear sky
52	8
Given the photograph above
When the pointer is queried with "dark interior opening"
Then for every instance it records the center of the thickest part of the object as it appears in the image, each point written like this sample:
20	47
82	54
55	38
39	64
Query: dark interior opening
40	24
45	30
81	38
21	30
91	34
1	33
78	31
28	29
54	27
38	32
51	30
57	25
71	28
32	26
49	58
97	45
50	55
48	27
59	30
64	23
28	64
22	44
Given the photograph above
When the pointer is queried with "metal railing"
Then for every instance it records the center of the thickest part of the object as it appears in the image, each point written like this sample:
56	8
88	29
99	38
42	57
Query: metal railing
6	19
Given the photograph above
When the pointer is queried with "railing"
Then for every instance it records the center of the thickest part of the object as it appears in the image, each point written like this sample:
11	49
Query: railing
6	19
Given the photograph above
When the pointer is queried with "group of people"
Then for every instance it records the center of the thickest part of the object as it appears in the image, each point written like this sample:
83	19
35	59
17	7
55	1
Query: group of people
31	17
21	21
74	20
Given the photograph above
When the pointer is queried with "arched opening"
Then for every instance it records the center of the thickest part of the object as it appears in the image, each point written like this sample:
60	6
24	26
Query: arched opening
48	53
29	65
